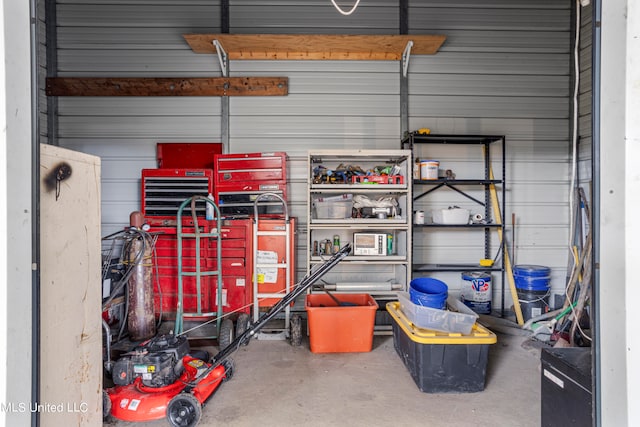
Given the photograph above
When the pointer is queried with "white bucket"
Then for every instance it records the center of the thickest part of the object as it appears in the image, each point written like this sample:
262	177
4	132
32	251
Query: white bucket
418	217
475	291
429	169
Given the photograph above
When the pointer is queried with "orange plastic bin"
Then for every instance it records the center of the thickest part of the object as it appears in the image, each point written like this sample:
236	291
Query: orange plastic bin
340	329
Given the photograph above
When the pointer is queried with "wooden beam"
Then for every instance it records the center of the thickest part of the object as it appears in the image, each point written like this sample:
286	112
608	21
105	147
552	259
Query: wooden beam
123	86
315	46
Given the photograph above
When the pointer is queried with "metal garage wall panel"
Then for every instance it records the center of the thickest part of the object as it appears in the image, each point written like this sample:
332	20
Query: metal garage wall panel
487	106
312	17
501	41
342	128
137	14
491	63
151	38
488	85
135	127
135	63
143	106
488	19
339	105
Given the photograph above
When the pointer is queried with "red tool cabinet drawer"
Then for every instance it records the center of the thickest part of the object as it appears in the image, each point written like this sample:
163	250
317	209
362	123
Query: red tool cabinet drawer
236	295
250	167
231	232
169	294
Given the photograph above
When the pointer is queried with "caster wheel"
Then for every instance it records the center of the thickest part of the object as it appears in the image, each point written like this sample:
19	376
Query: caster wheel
106	406
296	330
225	335
184	410
242	324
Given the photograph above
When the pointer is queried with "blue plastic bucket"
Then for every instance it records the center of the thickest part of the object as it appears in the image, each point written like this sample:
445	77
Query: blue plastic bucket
532	277
532	286
428	292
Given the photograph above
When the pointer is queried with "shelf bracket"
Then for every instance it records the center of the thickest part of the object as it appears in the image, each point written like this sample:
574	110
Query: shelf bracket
222	57
405	58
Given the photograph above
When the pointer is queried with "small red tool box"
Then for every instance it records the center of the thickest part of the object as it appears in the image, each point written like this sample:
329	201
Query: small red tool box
377	179
239	178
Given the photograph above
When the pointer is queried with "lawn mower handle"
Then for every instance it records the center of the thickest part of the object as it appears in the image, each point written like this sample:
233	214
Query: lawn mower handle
302	286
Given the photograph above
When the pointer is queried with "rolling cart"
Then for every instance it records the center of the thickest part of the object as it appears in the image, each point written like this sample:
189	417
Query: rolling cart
273	270
224	327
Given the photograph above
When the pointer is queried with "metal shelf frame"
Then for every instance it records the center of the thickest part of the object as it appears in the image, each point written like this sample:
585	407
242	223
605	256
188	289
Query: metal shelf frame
414	139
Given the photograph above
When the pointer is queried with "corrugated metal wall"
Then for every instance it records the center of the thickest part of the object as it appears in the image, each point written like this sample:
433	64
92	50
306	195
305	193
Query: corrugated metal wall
585	117
504	69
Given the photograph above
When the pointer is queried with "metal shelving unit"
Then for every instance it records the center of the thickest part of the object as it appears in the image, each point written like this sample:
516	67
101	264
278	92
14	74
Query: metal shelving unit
464	188
381	275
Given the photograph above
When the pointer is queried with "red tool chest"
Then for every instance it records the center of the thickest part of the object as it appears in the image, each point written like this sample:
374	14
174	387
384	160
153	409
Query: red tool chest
163	190
167	271
239	178
236	261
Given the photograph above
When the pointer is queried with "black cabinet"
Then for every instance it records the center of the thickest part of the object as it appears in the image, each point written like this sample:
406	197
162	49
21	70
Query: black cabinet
565	387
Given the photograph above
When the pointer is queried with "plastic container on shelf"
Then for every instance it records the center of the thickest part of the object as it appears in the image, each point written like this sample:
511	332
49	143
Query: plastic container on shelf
458	318
334	207
450	216
429	169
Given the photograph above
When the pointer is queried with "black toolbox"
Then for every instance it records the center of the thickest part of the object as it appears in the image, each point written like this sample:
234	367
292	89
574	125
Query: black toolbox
566	387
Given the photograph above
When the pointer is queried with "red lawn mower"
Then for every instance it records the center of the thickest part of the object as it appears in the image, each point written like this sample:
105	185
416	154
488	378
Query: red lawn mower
162	378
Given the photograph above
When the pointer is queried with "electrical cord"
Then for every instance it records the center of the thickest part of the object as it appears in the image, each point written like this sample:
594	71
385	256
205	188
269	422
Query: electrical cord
353	9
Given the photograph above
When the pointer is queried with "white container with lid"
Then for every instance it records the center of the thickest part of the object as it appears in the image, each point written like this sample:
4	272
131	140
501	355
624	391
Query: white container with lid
429	169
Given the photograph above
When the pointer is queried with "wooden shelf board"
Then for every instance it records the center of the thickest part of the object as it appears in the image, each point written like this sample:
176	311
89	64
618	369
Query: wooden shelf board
123	86
315	46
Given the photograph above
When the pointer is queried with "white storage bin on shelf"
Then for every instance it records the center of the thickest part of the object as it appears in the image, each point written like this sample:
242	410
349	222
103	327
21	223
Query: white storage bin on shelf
451	216
333	207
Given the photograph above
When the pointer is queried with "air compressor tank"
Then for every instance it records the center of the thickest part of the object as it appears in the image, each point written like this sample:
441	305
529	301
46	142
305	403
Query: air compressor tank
141	321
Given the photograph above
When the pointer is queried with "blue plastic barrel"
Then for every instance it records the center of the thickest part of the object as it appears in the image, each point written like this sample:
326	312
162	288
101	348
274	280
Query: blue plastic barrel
429	292
532	287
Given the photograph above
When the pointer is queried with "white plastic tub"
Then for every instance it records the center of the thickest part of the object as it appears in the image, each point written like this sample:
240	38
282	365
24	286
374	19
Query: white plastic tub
333	207
457	318
451	216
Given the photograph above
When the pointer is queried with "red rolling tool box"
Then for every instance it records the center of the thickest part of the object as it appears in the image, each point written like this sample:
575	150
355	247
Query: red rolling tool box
236	261
236	266
163	190
167	271
239	178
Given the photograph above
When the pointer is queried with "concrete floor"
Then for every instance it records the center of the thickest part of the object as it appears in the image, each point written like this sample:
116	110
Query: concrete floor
275	384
